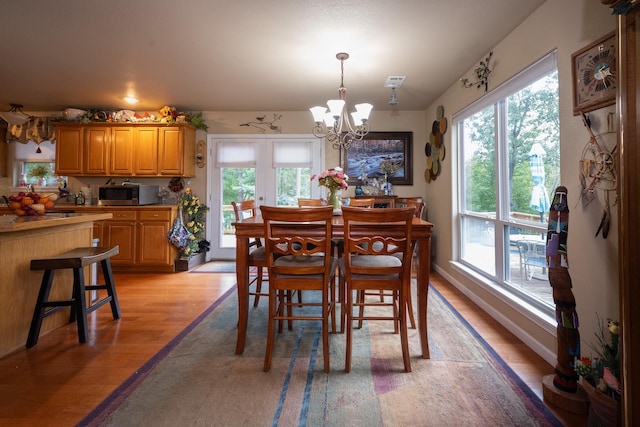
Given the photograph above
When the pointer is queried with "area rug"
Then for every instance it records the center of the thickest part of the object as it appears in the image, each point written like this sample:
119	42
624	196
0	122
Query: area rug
216	267
198	380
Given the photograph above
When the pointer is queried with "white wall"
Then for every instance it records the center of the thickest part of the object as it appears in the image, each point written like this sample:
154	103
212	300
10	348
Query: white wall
565	25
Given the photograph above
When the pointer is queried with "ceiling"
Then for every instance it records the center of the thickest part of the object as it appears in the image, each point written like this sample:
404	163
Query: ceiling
242	55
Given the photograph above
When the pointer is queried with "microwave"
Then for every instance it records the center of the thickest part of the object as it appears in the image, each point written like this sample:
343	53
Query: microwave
128	195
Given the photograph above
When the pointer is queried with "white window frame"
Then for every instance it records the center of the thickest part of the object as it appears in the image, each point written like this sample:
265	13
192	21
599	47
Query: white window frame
497	98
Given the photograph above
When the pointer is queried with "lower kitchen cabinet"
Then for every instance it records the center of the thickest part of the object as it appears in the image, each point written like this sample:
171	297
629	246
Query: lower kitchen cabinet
141	233
121	230
153	248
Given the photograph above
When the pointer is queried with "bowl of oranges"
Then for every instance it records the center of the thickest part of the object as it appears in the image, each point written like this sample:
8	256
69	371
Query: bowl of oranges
29	204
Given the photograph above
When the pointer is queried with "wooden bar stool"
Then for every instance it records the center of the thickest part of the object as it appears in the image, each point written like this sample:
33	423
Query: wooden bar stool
75	259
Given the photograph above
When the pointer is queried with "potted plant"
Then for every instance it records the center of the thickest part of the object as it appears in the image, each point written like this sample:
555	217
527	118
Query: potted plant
194	216
601	374
41	172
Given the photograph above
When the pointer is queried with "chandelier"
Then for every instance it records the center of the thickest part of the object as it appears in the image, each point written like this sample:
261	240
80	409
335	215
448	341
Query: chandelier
15	115
334	125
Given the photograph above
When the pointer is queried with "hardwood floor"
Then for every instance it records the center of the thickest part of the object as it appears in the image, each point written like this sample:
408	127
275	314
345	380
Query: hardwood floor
58	382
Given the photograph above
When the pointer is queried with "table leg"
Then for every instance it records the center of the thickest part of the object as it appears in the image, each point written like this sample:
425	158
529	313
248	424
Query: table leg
242	278
423	268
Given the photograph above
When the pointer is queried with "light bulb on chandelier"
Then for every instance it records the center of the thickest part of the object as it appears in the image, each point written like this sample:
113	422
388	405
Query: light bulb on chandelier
335	125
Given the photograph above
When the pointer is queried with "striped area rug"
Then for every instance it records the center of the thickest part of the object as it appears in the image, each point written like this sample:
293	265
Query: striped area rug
198	380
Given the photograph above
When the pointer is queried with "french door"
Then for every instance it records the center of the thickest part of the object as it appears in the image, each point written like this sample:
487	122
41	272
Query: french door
272	171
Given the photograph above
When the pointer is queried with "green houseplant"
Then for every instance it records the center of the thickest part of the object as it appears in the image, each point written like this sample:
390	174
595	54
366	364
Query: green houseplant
601	374
194	214
41	172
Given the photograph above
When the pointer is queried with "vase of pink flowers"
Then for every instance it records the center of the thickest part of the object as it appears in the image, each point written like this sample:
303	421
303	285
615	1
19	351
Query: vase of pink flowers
335	180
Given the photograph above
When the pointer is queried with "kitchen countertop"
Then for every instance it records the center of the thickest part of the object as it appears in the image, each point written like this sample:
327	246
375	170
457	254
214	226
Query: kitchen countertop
13	223
71	207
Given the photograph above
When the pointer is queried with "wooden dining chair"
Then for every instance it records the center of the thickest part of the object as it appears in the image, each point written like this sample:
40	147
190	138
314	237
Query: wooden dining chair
417	202
257	257
311	202
299	257
377	256
360	203
418	205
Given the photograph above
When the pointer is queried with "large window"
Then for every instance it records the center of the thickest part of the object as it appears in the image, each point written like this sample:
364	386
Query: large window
509	166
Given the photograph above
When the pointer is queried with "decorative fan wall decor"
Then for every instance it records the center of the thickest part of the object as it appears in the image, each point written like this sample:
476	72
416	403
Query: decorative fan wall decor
434	149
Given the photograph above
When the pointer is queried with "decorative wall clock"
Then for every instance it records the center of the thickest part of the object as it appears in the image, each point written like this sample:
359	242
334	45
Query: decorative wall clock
595	75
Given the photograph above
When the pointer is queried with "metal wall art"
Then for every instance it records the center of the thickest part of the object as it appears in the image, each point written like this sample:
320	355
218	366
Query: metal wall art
482	72
263	126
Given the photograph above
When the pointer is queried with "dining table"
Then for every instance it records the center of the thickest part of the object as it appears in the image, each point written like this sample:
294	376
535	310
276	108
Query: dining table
253	227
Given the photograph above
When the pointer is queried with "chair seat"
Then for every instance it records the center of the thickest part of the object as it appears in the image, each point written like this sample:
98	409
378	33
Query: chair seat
258	255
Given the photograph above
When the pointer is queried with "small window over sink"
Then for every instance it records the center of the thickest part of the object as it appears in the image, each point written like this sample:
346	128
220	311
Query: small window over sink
35	165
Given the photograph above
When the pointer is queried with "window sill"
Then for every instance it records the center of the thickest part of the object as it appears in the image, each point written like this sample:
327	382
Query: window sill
542	319
36	189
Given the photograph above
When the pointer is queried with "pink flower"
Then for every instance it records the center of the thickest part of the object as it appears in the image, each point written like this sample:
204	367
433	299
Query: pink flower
334	179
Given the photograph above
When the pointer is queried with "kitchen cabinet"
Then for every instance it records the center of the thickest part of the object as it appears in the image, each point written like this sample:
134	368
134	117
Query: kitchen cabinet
125	149
153	248
145	150
121	152
121	230
141	233
95	146
177	151
69	143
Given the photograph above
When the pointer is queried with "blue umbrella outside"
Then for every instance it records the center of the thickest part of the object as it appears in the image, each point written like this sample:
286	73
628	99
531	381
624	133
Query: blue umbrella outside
539	197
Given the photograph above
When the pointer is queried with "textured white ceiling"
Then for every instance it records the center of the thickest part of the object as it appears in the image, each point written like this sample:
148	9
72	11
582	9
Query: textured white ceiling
242	55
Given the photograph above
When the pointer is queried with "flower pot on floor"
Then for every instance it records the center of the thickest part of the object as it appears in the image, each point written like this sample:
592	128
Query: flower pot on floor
603	410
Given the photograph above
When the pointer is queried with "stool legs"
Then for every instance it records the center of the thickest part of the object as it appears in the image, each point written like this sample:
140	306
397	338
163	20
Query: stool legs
79	306
38	313
111	289
77	303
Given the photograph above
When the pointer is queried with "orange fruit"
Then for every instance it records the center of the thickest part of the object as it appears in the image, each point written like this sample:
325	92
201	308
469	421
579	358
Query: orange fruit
26	201
14	205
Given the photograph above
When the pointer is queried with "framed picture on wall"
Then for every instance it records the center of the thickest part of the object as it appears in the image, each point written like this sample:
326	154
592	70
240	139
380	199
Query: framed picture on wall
379	153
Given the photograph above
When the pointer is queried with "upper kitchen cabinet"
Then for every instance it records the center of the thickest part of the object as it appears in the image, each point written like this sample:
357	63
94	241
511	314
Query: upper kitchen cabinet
145	151
126	149
95	158
177	151
69	150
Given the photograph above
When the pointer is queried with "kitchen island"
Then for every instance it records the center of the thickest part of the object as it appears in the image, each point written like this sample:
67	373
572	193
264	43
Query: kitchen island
21	240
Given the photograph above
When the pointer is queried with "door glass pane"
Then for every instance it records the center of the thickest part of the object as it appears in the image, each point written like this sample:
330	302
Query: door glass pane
238	184
292	183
